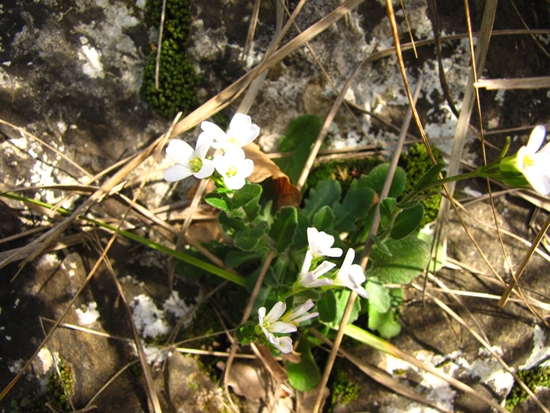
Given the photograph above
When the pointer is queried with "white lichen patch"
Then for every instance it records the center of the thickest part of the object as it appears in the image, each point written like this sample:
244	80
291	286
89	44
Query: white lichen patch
485	369
491	372
149	319
540	351
92	58
89	315
177	306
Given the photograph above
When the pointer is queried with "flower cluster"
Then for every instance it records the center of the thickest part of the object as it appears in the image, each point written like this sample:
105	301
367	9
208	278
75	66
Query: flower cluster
349	275
232	166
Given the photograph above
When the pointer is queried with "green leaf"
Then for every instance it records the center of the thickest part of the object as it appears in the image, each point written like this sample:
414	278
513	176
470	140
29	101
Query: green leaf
384	322
409	258
390	328
300	239
430	176
248	193
323	219
252	210
342	297
248	239
407	221
299	137
327	307
236	258
379	296
325	193
377	177
245	333
217	200
381	246
387	206
306	375
356	204
229	224
284	228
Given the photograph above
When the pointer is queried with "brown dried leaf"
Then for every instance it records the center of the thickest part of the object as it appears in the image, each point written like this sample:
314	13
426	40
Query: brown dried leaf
286	193
248	379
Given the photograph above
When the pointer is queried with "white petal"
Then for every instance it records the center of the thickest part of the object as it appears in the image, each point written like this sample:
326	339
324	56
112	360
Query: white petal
222	164
307	263
545	151
301	309
283	344
280	327
536	138
325	267
234	183
179	151
240	121
261	314
540	183
350	256
362	292
206	170
305	317
234	153
276	312
176	173
214	130
203	144
246	168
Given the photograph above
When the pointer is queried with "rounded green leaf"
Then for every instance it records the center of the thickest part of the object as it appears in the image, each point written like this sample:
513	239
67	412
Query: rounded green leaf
407	221
305	375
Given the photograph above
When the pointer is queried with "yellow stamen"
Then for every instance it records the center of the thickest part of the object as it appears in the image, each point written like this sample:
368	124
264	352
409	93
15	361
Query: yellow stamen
528	161
231	172
195	165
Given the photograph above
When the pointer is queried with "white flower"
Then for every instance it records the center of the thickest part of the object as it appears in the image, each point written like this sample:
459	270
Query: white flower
190	162
233	167
320	244
270	324
351	275
240	133
310	279
533	163
297	315
283	344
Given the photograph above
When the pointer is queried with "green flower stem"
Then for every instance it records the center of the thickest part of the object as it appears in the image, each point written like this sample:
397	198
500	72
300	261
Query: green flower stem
220	272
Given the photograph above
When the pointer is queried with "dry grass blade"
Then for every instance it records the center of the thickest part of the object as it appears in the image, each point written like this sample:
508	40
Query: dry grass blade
159	44
251	28
542	82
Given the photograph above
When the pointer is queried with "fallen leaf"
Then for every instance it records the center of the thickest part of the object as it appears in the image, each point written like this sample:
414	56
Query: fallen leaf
248	379
264	168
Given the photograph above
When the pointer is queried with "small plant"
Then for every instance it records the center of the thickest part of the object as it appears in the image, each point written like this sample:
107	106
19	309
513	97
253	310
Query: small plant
60	387
178	81
309	277
537	377
344	390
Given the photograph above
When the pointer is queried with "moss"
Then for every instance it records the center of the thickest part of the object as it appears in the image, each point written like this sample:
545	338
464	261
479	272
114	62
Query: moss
416	163
538	377
178	81
344	390
60	387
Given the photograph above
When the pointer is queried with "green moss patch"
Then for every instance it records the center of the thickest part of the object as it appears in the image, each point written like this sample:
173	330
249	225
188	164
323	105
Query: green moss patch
178	81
